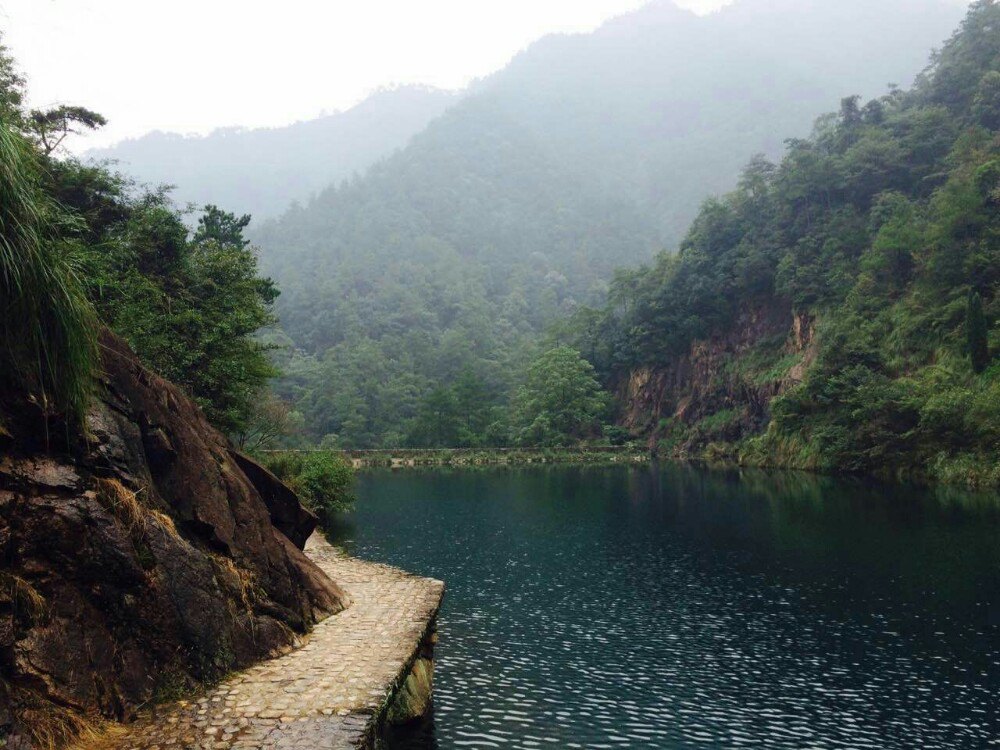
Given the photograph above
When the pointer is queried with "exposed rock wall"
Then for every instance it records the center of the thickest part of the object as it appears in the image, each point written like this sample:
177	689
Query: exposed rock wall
412	700
139	559
708	379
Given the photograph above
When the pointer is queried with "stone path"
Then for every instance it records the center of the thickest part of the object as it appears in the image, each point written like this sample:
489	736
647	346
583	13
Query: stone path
323	695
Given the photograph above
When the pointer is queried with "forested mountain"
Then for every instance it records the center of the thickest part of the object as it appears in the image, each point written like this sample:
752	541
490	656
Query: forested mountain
262	171
839	310
589	152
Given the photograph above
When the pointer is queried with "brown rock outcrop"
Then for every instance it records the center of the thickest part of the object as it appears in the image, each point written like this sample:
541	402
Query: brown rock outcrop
140	559
704	382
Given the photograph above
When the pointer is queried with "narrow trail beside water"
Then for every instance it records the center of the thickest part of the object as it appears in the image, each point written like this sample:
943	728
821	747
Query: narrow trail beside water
330	692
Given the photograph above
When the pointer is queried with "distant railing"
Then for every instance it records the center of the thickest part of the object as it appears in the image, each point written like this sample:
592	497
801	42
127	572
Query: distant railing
425	451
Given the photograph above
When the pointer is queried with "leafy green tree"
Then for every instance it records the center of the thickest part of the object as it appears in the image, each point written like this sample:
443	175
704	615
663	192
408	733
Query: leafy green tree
977	333
11	86
323	480
270	421
438	423
561	400
986	106
190	307
230	302
475	406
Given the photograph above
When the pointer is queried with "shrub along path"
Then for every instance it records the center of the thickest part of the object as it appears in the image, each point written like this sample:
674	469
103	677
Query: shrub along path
327	694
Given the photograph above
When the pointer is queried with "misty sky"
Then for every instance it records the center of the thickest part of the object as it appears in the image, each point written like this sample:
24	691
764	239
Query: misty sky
193	65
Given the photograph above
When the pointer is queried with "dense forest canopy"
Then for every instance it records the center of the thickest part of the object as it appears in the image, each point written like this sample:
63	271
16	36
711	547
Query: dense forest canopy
885	227
513	209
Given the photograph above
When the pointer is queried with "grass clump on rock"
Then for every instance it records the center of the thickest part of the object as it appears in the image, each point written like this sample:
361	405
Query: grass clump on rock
47	325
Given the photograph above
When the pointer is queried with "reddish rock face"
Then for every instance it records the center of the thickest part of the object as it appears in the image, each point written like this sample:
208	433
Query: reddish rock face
699	384
140	559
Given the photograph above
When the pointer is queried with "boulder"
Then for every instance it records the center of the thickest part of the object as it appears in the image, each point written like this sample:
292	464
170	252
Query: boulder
287	513
139	557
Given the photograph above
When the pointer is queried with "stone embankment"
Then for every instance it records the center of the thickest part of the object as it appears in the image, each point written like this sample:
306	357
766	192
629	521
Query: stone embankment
365	666
402	458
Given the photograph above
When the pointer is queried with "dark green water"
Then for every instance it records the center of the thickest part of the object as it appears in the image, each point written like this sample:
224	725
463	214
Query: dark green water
678	608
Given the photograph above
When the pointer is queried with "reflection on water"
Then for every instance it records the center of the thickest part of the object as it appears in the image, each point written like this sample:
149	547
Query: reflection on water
679	608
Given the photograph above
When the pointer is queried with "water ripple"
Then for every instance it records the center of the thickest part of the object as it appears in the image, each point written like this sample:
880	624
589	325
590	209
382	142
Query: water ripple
676	609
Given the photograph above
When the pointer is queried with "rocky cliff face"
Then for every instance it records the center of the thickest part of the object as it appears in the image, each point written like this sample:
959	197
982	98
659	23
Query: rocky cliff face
721	390
138	560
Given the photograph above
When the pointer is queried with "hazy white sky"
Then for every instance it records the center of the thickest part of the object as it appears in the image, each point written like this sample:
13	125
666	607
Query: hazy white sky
193	65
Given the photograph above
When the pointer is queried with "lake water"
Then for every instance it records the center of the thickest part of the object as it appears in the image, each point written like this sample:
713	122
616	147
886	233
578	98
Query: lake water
672	607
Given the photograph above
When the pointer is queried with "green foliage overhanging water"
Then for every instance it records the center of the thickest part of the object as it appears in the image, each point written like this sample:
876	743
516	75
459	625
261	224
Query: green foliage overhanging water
884	227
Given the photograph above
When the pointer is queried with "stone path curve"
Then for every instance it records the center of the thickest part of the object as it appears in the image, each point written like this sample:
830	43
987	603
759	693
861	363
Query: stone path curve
326	694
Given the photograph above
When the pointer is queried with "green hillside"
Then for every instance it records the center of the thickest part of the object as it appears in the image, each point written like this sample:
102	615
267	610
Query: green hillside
883	230
262	171
587	153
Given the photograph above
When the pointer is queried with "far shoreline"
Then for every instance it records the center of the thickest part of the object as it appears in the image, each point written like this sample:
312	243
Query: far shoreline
405	458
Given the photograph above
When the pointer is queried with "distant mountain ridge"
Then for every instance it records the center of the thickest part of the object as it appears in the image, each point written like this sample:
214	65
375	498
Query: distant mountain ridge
262	171
663	91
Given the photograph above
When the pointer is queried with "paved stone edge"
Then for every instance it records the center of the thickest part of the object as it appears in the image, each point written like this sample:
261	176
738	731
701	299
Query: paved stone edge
375	715
362	725
373	728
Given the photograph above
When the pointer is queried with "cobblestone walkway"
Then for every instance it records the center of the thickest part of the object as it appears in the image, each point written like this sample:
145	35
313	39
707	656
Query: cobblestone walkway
322	695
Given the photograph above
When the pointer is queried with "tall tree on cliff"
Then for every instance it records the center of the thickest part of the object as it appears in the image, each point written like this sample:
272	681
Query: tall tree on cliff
977	333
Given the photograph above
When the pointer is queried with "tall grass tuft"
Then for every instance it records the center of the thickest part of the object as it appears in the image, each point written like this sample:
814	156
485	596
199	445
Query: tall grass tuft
48	328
